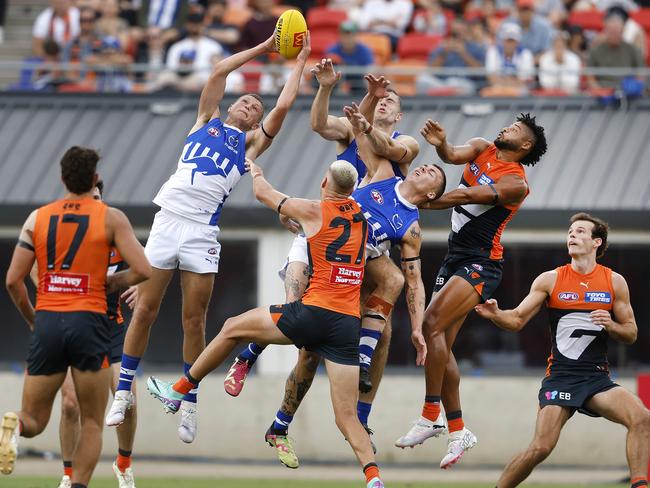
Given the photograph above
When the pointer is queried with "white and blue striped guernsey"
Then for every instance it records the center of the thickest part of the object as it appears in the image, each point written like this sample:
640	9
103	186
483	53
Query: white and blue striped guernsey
211	164
389	215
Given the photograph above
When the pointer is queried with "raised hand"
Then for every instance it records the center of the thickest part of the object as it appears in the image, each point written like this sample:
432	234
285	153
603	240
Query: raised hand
420	347
269	44
487	310
433	133
356	118
325	73
130	296
304	53
377	87
253	168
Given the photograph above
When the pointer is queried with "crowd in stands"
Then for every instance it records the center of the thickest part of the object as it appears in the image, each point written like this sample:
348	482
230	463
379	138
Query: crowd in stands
511	47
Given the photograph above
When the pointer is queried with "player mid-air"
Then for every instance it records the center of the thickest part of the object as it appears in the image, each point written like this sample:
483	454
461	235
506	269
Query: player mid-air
491	190
185	231
326	320
587	303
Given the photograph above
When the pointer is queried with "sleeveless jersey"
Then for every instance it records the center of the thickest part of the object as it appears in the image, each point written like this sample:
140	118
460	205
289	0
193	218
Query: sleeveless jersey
351	155
478	228
116	264
211	164
72	253
337	256
577	344
388	214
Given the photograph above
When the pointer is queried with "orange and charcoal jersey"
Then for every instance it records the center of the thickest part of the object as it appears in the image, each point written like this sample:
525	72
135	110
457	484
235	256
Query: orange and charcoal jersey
72	253
337	256
477	228
115	265
578	346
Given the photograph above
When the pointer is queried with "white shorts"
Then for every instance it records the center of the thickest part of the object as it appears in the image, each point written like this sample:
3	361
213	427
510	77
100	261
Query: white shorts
297	253
373	252
177	243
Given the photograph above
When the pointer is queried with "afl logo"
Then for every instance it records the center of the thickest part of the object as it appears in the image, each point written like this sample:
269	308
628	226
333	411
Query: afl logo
474	169
568	296
212	251
377	197
213	131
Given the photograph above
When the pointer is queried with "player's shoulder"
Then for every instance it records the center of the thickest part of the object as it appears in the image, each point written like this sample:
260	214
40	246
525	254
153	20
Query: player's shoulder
546	280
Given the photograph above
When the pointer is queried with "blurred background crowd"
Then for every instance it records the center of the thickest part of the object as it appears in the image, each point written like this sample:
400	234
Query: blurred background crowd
430	47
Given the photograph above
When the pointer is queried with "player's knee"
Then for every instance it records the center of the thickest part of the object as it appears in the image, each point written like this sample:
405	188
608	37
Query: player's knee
344	416
308	361
145	314
394	283
70	408
539	451
194	324
641	421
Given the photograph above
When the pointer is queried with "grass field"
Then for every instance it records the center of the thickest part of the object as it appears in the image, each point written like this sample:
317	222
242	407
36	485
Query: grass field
49	482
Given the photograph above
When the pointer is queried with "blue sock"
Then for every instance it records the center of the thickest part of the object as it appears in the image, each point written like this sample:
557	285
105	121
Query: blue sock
191	395
282	421
127	372
363	411
251	353
367	344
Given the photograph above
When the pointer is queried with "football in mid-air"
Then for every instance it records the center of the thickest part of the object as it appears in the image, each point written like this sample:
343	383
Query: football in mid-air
290	33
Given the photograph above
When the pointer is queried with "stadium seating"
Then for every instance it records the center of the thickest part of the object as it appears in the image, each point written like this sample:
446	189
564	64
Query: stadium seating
323	19
252	78
379	44
587	19
642	16
320	41
417	46
237	16
404	84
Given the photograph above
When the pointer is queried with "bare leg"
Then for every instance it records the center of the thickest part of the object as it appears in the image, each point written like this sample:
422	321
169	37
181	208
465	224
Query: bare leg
92	391
550	421
197	290
69	426
299	381
625	408
38	397
150	295
343	389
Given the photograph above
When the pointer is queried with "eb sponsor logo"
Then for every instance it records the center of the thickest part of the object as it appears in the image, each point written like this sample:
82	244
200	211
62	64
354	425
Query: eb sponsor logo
568	296
562	395
598	297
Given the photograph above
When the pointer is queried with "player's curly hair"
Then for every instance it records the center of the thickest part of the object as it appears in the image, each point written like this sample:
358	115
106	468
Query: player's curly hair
539	144
78	169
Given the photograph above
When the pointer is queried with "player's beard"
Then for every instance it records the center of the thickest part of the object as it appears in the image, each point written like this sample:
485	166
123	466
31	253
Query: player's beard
505	145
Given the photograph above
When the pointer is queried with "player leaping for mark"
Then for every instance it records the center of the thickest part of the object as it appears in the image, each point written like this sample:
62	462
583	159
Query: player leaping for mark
326	320
185	231
491	190
587	304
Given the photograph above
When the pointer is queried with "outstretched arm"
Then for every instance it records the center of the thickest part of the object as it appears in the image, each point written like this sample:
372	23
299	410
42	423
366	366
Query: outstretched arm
435	135
508	190
515	320
414	288
377	89
624	328
306	212
213	90
327	126
262	139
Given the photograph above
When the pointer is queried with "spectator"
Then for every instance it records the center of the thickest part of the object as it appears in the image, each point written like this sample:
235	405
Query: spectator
352	7
350	52
47	78
553	10
613	52
390	17
559	68
432	20
578	42
260	26
272	81
113	77
633	33
129	11
225	34
509	65
59	22
536	31
457	51
86	44
151	51
162	13
110	24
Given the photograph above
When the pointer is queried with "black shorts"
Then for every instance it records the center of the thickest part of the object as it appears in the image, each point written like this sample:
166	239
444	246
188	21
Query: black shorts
482	273
62	339
573	390
118	333
333	335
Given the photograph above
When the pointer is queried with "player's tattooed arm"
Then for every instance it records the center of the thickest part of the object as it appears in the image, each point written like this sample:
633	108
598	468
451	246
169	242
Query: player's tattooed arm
20	267
510	189
624	328
514	320
435	134
414	288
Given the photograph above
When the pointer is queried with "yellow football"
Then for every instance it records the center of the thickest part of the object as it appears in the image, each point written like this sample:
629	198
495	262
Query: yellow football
289	33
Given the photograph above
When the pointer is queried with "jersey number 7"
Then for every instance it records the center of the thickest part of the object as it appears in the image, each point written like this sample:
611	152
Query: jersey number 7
82	228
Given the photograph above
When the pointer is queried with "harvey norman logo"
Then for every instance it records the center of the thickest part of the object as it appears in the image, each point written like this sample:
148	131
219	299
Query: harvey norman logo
67	283
346	275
